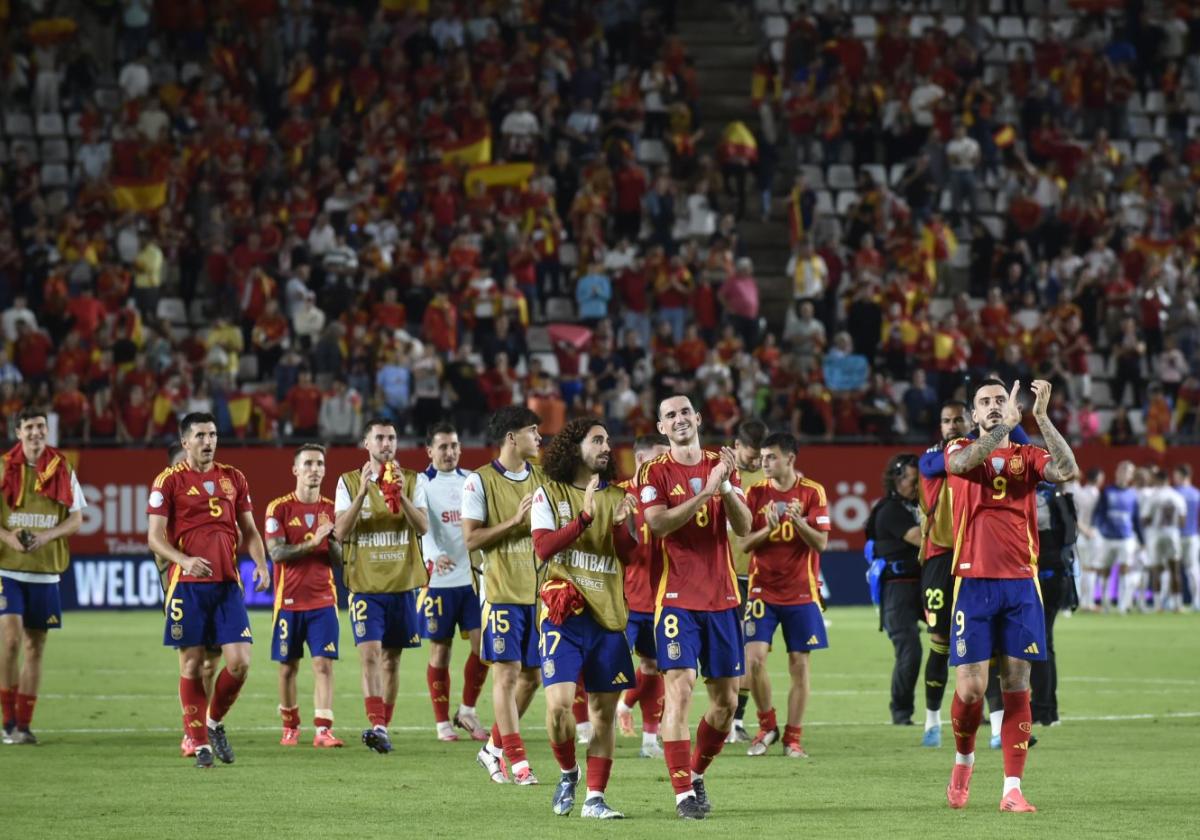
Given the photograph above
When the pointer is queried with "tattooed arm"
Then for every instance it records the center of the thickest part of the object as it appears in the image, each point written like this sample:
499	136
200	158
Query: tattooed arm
1062	466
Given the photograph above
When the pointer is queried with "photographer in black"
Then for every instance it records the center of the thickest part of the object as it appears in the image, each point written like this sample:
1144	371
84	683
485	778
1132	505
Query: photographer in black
895	526
1057	531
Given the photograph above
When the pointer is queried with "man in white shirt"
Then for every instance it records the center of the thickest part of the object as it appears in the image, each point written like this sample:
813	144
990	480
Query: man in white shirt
1164	513
962	153
19	311
924	96
134	80
451	601
1085	495
520	129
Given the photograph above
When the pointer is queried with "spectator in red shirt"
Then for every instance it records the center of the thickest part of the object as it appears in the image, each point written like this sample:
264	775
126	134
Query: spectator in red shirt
102	416
134	418
691	351
31	352
72	358
269	337
722	412
72	408
498	383
303	404
388	314
739	297
631	183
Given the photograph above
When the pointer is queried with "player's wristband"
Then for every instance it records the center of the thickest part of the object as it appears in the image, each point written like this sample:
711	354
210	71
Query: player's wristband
726	487
585	519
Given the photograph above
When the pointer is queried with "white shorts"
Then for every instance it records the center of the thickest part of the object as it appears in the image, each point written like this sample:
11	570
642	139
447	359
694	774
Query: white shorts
1189	550
1087	550
1119	552
1165	545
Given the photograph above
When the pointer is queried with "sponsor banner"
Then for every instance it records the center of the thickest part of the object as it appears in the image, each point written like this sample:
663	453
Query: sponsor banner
117	483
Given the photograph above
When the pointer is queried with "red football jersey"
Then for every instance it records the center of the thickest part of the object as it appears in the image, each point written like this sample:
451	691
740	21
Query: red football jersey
785	570
202	511
638	590
692	568
995	512
305	583
931	489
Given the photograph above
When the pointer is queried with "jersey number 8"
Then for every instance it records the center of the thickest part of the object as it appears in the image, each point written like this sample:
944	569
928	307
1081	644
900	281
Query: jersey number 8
702	518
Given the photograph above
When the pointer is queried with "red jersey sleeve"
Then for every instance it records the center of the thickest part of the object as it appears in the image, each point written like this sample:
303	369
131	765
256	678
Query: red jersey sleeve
242	502
816	507
1038	458
655	487
276	516
161	501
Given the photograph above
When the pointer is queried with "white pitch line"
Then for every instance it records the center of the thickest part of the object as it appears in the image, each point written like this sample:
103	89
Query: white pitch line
829	723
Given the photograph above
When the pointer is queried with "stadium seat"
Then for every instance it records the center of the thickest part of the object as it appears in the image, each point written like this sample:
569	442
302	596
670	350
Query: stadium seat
57	201
1135	103
876	171
537	338
652	152
846	200
702	221
248	368
56	151
824	203
1097	364
841	177
50	125
74	128
1144	150
1010	27
55	175
813	175
560	309
1123	149
767	7
994	225
953	24
172	310
1155	103
864	27
775	26
896	173
28	144
1101	392
918	24
18	124
1139	126
568	254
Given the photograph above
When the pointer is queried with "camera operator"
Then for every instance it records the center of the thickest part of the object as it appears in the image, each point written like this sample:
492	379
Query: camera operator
1057	533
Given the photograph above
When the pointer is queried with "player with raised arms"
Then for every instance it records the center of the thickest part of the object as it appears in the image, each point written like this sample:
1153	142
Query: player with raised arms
579	531
496	500
997	604
688	495
198	510
380	519
451	601
41	506
647	692
789	532
299	531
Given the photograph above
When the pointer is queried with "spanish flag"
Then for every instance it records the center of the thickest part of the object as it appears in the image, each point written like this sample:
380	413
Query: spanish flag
1004	137
302	85
499	175
765	84
398	175
738	141
239	413
226	62
468	153
161	410
141	194
331	96
51	30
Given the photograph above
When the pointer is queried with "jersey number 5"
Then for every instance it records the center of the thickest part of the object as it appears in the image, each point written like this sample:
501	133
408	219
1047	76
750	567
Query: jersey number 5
214	507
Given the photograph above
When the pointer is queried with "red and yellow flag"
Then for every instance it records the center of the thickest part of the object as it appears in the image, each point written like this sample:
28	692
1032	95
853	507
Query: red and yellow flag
498	175
302	85
140	194
468	153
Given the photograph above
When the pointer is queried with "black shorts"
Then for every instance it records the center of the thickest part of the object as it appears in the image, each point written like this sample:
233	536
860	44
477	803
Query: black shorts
937	592
744	589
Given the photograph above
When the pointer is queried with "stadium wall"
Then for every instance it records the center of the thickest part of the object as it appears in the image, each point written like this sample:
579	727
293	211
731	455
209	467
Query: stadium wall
111	567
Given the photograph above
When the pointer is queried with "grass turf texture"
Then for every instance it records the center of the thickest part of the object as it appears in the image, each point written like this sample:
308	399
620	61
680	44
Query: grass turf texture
108	764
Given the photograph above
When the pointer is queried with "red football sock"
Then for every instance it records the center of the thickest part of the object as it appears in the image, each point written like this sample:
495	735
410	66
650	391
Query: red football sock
388	710
375	715
631	695
597	773
225	692
651	702
474	674
766	720
514	750
291	717
564	753
8	705
323	723
25	704
964	719
439	692
1014	732
791	734
195	706
580	707
678	757
709	743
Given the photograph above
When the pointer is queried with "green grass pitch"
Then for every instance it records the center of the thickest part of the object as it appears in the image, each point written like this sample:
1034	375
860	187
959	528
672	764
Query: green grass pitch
1122	763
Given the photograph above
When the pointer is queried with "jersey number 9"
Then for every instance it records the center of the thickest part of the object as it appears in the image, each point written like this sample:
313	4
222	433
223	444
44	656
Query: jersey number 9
1000	485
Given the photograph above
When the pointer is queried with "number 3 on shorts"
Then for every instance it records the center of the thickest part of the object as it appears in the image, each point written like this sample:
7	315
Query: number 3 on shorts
671	626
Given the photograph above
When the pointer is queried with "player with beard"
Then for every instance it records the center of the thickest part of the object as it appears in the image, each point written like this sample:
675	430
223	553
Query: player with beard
691	498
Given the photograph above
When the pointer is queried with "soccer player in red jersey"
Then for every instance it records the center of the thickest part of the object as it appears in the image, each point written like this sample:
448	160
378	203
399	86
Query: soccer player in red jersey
689	496
299	531
647	692
205	507
790	529
997	603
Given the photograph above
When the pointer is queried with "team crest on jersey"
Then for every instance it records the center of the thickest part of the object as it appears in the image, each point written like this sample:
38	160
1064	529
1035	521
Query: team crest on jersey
998	465
360	629
309	519
674	651
961	648
548	668
177	632
498	645
283	648
1016	464
227	487
696	484
209	487
323	518
781	509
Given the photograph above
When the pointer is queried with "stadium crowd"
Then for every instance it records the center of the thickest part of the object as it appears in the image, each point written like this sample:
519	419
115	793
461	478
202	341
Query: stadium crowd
296	213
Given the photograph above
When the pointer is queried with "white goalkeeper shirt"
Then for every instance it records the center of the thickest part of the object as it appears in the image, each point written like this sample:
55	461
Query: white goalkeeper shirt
443	495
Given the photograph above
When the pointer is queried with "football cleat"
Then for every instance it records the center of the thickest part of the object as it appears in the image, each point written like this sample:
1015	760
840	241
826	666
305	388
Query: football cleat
650	751
377	739
187	747
995	742
792	749
597	809
737	735
9	729
291	737
470	722
932	737
763	740
525	778
625	723
564	794
22	735
494	765
1014	801
325	739
220	743
447	736
959	789
689	808
204	757
701	795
